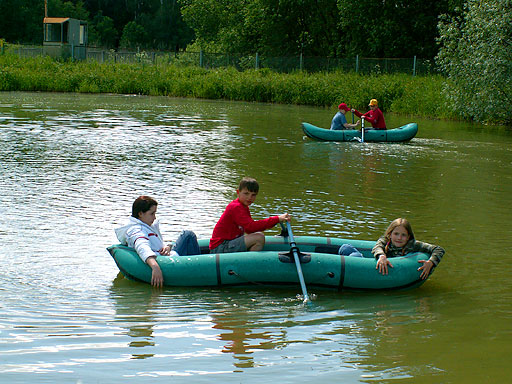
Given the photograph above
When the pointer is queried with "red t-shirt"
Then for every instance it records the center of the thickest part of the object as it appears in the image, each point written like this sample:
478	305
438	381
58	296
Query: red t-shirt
235	221
376	118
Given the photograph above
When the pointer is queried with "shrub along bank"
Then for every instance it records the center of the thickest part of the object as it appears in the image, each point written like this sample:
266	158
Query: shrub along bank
398	93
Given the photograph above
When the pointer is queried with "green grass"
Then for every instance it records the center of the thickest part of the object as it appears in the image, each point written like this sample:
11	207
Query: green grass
398	93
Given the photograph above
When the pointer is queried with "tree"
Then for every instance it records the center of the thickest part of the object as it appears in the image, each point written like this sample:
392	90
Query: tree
134	36
102	31
476	55
165	26
270	27
22	21
391	28
306	26
75	10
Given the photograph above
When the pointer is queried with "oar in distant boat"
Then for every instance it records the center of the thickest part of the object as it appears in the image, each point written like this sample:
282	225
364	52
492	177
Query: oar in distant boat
362	129
294	251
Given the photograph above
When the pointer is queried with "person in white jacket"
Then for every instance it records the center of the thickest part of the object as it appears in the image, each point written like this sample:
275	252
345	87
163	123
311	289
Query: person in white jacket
143	234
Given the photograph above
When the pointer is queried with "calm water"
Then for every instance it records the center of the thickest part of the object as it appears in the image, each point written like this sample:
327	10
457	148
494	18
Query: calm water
71	165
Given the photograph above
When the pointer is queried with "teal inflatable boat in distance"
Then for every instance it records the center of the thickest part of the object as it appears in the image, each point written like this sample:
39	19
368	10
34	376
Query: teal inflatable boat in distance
396	135
274	266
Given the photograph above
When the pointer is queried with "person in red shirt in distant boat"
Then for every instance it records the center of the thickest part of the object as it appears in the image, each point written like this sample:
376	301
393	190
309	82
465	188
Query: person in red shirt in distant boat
374	115
236	231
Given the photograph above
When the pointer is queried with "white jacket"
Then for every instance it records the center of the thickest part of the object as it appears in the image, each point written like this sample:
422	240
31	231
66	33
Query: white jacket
145	239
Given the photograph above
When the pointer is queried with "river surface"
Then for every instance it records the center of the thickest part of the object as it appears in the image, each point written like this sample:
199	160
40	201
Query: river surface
71	166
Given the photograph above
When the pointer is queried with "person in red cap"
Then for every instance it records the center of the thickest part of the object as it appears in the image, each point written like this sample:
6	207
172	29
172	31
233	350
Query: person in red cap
374	115
339	121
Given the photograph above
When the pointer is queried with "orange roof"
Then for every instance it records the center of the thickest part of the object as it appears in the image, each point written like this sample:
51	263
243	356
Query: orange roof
55	20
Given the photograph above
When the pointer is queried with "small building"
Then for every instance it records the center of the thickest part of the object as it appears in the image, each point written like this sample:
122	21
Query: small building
65	38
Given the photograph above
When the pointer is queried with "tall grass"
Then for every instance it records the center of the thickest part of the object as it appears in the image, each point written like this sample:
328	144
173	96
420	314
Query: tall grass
399	93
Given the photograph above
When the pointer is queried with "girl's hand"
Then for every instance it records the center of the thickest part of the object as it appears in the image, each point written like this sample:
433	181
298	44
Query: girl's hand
157	278
165	251
425	268
382	264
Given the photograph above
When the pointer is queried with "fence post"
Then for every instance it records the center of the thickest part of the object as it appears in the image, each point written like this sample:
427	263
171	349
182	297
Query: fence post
414	66
357	63
201	58
301	63
257	64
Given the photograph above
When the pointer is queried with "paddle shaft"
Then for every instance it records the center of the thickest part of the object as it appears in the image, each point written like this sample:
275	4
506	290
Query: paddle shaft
293	247
362	130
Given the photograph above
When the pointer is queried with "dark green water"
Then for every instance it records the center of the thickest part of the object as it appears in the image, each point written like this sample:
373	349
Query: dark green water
71	166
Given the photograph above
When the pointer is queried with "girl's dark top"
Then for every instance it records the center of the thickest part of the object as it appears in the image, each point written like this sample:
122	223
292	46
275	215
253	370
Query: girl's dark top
436	252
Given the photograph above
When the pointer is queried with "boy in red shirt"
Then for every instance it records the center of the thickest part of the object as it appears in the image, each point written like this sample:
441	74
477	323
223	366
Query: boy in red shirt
374	115
236	231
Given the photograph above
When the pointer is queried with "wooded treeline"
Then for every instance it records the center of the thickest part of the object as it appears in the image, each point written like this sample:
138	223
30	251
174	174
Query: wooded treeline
471	40
327	28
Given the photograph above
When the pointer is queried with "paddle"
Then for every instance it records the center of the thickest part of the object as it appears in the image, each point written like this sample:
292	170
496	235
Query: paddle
352	117
293	249
362	130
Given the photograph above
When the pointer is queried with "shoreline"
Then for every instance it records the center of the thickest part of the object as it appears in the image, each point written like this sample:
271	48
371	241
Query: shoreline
403	94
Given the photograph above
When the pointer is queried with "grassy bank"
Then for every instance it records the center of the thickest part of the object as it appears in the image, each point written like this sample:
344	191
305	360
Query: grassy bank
397	93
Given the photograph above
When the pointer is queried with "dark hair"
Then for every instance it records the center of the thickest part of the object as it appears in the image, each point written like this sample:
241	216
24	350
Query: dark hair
249	183
142	204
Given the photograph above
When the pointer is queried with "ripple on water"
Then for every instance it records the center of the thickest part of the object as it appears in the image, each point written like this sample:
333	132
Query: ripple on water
72	164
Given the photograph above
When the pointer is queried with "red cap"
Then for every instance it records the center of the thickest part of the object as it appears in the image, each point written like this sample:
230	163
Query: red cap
344	107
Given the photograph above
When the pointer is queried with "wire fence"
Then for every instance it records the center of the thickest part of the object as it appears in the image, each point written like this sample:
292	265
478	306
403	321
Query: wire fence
412	66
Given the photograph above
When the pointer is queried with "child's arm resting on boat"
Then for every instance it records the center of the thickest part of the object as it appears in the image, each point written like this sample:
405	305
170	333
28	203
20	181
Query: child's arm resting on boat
157	279
436	253
380	254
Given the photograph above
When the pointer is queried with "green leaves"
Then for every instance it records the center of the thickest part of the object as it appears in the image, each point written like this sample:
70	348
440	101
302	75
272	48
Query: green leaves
476	54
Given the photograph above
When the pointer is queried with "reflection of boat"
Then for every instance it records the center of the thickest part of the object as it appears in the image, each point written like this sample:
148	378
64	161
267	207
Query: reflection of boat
403	133
274	266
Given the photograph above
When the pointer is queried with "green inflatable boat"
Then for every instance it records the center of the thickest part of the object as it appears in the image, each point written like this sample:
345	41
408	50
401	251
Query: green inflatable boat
321	265
401	134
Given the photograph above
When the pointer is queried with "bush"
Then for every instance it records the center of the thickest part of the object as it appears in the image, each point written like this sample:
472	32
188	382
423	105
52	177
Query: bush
400	93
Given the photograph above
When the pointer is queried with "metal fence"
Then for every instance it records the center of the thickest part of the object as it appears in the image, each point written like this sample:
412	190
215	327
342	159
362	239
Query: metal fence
412	66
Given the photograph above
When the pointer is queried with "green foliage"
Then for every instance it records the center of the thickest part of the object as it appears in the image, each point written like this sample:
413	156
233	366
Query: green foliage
21	21
393	28
400	93
313	28
63	8
476	54
269	27
102	31
134	36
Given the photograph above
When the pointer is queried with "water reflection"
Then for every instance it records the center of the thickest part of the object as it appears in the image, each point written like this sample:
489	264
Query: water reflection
134	304
236	331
